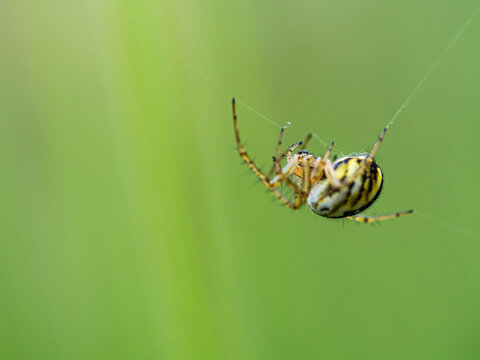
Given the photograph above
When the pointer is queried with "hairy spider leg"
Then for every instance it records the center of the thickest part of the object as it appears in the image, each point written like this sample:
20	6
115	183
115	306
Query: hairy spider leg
319	165
332	178
329	150
377	145
277	152
300	199
306	141
284	173
371	219
264	179
300	191
306	175
279	157
318	170
366	161
243	154
291	149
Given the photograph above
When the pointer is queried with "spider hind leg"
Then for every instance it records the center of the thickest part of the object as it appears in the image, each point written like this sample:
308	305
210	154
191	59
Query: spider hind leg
371	219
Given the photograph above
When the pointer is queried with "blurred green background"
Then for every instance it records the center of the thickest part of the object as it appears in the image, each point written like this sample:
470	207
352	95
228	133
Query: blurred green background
129	228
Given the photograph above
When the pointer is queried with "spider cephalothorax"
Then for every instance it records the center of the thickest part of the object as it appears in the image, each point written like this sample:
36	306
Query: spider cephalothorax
338	189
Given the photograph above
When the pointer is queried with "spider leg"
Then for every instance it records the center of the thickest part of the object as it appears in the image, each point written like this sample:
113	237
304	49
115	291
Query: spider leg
377	145
371	219
366	161
327	154
302	191
279	157
294	205
318	170
320	163
330	174
290	150
277	153
306	175
243	154
282	175
264	179
302	144
306	141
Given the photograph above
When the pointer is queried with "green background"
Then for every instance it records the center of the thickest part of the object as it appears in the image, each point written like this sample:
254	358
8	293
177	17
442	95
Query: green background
129	228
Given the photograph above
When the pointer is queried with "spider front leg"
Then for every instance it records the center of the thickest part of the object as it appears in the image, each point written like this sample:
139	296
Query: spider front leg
283	175
264	179
302	144
279	157
243	154
306	175
300	192
371	219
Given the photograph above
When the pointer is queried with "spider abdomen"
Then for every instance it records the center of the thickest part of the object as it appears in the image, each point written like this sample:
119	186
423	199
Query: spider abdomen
363	188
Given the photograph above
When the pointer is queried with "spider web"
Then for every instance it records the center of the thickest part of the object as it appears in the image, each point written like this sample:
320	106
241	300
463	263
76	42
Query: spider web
429	72
221	90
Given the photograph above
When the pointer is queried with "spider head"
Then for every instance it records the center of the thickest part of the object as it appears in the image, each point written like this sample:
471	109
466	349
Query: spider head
304	159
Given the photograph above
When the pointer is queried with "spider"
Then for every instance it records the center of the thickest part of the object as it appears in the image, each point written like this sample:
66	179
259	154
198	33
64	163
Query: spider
339	189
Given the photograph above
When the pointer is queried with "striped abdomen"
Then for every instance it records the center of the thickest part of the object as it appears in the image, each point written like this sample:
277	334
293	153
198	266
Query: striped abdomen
349	199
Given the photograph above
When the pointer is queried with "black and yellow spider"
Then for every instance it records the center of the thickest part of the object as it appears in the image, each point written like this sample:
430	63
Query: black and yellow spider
339	189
